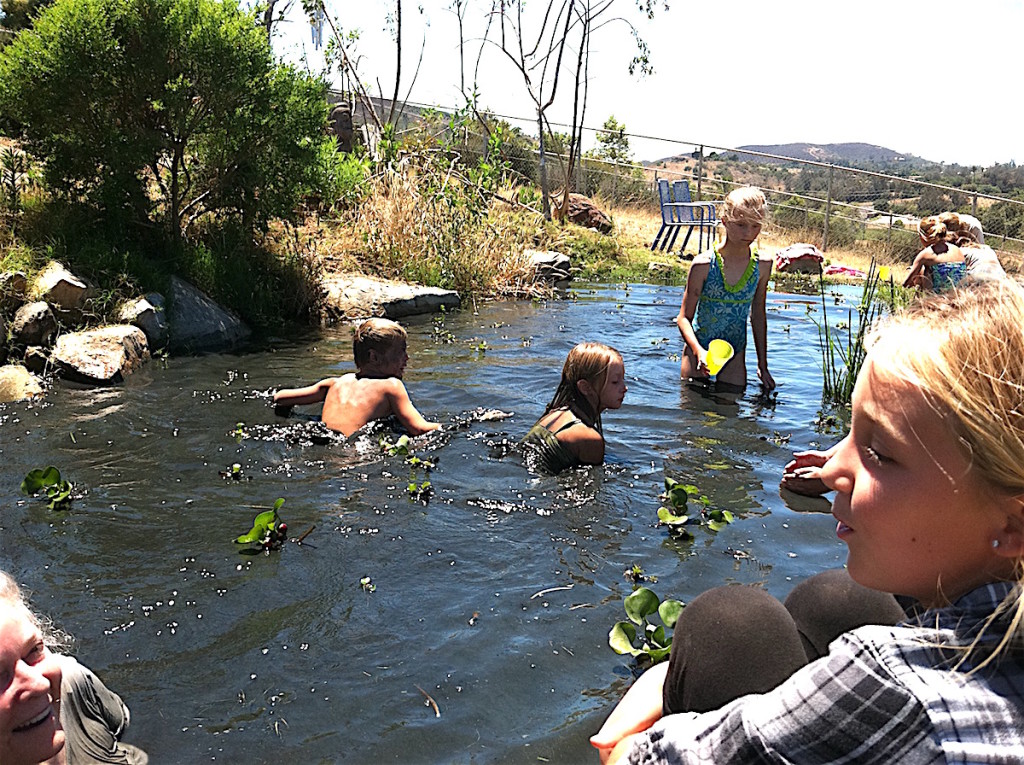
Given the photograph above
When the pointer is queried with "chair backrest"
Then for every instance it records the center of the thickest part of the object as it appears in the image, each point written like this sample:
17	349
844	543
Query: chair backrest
664	197
681	193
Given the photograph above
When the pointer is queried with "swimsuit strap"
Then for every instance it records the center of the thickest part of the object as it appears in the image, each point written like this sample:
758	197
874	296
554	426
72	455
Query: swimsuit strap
574	421
742	281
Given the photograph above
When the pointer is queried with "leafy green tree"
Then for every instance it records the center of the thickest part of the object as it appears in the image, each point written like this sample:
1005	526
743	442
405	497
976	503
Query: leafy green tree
164	110
612	142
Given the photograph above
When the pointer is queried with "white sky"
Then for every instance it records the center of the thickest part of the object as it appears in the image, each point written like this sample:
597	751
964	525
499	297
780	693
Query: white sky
934	78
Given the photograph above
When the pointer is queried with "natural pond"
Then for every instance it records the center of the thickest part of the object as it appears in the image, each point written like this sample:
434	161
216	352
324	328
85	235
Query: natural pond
494	600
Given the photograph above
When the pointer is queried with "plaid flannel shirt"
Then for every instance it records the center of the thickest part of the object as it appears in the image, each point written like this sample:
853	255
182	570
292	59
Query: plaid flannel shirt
901	694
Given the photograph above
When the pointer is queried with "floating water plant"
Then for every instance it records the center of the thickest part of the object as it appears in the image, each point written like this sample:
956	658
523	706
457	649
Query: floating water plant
640	637
420	492
49	481
367	584
636	575
674	514
399	447
268	531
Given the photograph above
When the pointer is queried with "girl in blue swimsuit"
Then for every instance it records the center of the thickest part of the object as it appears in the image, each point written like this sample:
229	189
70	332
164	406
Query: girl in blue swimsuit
941	265
725	286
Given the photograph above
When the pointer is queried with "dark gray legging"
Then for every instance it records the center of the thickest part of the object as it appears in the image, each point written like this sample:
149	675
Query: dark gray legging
738	639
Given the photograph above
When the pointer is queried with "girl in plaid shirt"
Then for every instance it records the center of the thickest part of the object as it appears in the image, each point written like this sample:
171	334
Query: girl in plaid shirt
930	501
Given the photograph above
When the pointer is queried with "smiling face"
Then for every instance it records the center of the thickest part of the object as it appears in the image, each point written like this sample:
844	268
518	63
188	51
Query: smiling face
614	388
30	731
917	519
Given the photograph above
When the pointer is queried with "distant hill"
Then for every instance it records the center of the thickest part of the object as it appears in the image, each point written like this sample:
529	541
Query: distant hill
849	154
856	154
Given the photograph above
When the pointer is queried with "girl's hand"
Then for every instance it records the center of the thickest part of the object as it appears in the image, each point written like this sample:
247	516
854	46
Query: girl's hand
766	377
702	361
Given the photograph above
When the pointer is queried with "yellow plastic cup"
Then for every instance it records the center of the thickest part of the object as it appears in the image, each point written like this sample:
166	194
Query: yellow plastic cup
719	352
883	273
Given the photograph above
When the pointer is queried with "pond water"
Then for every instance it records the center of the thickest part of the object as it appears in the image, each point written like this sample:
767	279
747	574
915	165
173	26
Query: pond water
495	599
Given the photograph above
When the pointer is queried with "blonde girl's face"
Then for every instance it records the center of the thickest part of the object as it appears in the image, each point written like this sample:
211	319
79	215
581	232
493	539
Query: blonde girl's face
917	520
614	389
30	679
742	230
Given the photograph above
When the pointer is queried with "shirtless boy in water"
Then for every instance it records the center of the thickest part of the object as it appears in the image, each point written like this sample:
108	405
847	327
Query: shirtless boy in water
375	391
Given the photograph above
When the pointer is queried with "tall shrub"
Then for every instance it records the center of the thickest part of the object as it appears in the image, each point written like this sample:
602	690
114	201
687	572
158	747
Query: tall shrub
164	110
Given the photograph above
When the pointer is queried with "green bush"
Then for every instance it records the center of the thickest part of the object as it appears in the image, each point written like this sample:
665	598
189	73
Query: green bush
164	111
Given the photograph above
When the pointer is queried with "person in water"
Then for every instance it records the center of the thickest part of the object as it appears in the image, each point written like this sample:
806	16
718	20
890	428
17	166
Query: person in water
929	489
940	266
725	285
373	392
569	432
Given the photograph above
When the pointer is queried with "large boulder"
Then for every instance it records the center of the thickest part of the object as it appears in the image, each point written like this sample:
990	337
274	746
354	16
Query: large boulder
100	356
34	324
550	266
18	384
352	296
147	313
197	323
583	212
61	288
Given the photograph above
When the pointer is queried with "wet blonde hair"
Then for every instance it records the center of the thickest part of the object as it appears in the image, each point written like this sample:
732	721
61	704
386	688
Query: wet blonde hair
964	349
590	362
379	335
745	203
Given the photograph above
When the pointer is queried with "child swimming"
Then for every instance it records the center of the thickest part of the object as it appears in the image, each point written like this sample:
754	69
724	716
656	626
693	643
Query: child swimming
374	392
569	432
930	503
724	286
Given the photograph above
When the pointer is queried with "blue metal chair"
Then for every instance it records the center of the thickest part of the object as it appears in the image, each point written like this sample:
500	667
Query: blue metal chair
678	211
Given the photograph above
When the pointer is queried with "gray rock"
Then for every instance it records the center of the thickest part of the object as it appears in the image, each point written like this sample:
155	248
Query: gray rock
100	356
350	296
13	286
33	324
59	287
36	359
550	266
197	323
147	313
18	384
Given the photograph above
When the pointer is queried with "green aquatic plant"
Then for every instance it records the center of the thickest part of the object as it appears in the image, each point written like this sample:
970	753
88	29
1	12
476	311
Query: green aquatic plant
398	448
268	531
420	492
636	575
48	480
675	515
367	584
842	345
640	637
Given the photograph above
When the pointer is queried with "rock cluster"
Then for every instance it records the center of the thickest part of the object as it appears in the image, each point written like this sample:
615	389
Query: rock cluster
33	316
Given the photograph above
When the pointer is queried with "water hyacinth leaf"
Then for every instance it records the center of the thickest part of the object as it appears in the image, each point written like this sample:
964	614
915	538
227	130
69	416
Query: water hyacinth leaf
39	478
669	518
669	611
658	637
641	604
660	654
621	637
260	526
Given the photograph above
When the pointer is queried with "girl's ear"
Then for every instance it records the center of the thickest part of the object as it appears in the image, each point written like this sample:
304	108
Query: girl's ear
1009	542
584	387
